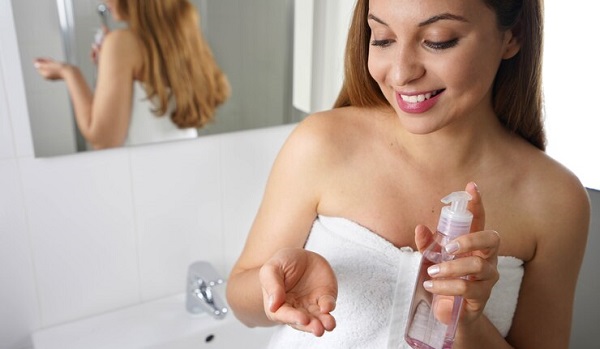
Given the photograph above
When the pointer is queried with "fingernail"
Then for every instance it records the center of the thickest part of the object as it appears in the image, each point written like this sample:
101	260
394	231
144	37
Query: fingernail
428	284
270	301
452	247
434	269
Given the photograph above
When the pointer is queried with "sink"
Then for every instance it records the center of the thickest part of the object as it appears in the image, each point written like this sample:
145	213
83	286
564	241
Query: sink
163	323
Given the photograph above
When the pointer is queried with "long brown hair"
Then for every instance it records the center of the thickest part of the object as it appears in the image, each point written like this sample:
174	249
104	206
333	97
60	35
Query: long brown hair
517	91
178	62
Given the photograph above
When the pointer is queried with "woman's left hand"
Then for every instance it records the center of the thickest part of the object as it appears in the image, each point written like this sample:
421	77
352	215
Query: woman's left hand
473	274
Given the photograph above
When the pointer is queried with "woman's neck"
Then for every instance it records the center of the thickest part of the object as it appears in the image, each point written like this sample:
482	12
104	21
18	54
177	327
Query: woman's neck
456	147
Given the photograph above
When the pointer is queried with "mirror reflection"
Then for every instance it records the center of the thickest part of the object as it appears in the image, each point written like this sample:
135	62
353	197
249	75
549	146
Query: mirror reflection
157	79
250	43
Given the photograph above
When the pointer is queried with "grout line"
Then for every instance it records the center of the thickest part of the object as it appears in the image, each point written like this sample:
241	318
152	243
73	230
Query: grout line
136	230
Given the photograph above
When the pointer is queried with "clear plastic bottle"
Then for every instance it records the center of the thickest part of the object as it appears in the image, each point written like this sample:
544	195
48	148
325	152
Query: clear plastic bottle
425	330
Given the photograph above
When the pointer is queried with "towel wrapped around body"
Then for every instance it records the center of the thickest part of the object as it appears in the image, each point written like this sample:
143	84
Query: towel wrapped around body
376	281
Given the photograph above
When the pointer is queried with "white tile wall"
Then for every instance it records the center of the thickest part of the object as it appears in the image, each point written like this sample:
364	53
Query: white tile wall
19	305
93	232
80	217
244	156
177	191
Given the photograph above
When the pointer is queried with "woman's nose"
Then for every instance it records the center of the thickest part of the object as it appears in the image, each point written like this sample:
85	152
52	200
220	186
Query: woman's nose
407	67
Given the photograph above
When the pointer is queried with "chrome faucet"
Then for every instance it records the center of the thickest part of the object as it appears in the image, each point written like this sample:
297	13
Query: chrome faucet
200	297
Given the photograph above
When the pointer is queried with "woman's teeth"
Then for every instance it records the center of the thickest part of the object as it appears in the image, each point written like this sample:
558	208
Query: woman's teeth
418	98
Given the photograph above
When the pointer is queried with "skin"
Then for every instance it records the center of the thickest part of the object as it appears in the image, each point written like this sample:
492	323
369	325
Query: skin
535	209
103	116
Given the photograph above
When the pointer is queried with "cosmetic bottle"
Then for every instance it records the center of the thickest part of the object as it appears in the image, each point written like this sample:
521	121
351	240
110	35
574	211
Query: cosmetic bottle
426	329
99	36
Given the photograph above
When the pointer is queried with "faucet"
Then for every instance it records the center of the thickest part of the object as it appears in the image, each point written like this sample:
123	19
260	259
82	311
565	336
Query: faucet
200	297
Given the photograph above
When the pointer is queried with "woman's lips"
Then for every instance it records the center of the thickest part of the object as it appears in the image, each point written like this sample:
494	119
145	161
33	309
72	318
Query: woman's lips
418	103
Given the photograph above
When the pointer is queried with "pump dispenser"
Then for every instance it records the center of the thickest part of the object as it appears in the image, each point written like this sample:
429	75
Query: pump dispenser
425	329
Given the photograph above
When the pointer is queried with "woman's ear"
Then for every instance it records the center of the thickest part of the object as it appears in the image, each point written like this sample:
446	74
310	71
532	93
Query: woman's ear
512	40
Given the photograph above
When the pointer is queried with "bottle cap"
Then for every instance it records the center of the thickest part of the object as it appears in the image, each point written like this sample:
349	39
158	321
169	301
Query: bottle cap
455	219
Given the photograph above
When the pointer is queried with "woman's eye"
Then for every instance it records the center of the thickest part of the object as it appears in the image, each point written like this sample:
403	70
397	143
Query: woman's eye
435	45
381	43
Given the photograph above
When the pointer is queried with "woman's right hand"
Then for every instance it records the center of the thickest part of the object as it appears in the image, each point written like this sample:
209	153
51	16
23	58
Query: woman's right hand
300	290
49	68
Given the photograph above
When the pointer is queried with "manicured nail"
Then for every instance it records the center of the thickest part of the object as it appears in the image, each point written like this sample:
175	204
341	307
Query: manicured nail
428	284
432	270
452	247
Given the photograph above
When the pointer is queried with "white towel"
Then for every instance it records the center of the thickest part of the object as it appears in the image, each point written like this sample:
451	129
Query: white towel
370	272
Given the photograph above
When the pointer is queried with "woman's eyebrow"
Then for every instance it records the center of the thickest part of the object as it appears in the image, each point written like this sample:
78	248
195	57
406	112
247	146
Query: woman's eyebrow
443	16
378	20
440	17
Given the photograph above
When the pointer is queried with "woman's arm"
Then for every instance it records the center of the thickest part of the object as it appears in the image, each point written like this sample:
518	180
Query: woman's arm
274	248
544	311
103	116
105	122
558	218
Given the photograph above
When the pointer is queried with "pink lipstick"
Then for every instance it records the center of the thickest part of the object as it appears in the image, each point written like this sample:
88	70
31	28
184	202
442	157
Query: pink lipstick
418	103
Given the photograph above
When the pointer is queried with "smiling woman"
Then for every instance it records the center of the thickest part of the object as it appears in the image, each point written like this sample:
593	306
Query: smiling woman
251	41
437	96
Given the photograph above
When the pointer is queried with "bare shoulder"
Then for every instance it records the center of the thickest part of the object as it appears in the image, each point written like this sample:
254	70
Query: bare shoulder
332	133
557	200
121	49
554	212
120	38
320	148
558	189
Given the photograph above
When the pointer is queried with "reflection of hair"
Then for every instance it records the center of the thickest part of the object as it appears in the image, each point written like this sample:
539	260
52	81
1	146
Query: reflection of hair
517	96
177	60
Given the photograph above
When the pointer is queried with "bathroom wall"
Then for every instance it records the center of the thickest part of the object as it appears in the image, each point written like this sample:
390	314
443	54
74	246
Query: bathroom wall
88	233
586	315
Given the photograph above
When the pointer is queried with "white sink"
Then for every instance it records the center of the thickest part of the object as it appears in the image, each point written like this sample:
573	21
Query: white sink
163	323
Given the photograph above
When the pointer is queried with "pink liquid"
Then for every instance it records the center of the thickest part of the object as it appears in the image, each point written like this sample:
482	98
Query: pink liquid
424	330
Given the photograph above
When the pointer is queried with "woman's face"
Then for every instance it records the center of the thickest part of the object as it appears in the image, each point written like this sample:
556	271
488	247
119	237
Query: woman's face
435	60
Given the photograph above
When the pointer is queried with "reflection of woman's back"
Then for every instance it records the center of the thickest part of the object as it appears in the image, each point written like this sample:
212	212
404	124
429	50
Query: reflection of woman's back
145	127
183	85
157	74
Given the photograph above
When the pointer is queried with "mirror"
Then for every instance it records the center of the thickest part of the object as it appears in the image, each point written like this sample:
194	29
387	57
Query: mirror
252	42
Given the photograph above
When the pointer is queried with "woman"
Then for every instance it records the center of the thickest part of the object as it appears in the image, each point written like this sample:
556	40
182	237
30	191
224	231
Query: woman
437	94
160	64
